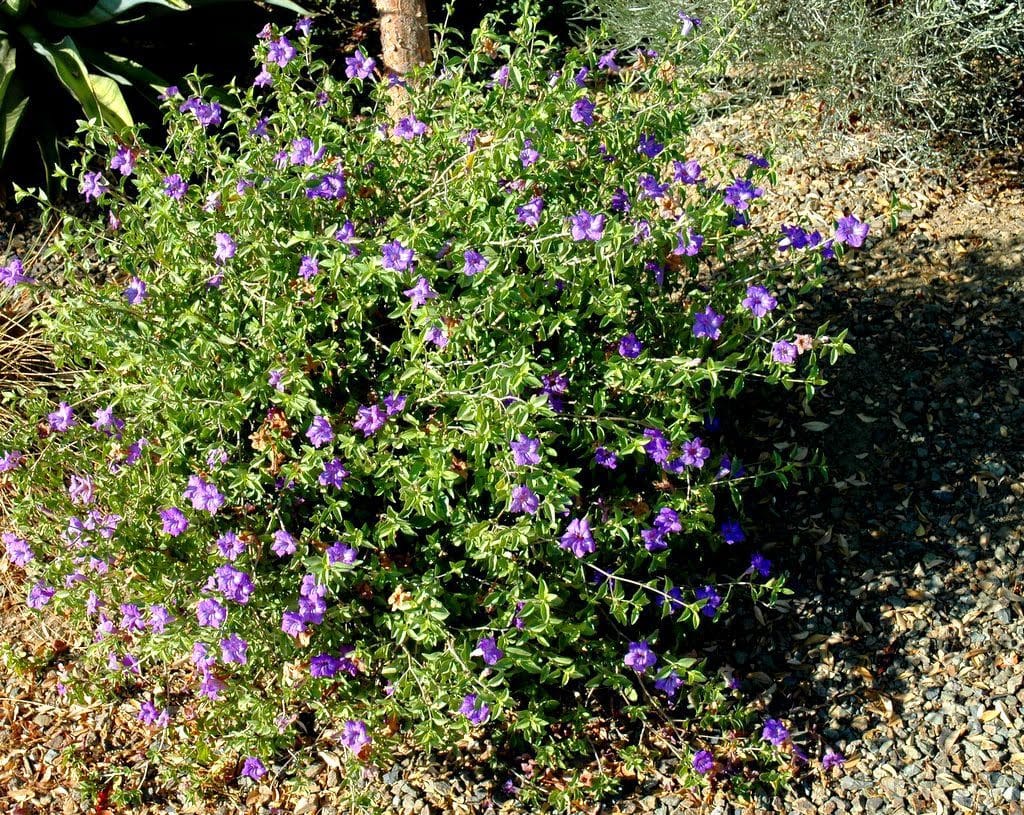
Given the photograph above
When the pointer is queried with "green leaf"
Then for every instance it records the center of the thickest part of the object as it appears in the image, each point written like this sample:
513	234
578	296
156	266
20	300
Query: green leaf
13	96
285	4
99	96
14	7
107	10
123	70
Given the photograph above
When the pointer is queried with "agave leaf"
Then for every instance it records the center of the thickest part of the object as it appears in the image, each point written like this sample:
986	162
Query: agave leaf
107	10
15	8
99	96
12	105
285	4
122	70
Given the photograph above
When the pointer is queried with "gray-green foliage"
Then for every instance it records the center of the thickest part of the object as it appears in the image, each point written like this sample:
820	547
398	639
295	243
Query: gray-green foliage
952	70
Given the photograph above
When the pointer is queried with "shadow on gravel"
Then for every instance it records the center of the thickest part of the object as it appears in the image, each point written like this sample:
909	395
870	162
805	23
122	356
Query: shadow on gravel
924	449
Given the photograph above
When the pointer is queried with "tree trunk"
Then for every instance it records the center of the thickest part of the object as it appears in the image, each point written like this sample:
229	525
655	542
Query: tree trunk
404	36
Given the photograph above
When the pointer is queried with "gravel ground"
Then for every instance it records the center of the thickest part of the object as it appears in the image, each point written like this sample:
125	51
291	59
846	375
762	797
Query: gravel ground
901	644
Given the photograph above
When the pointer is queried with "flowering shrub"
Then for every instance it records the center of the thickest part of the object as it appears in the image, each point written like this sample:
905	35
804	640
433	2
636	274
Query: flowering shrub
410	422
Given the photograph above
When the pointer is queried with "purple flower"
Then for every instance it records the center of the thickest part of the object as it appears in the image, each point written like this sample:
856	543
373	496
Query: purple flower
760	564
740	193
474	262
630	347
254	768
577	538
669	685
694	453
123	160
688	23
397	257
587	227
642	232
303	152
712	600
346	233
489	650
174	521
832	759
528	156
319	432
657	446
18	550
369	420
794	237
620	201
293	624
263	79
40	594
359	66
233	584
581	77
409	128
525	451
330	187
169	93
274	380
14	273
529	214
420	293
304	26
333	475
10	461
284	543
136	291
703	762
62	419
159	619
148	714
230	545
732	532
211	686
500	77
233	649
281	51
94	186
210	613
708	323
476	711
650	187
81	490
775	732
204	496
354	735
524	500
687	172
394	403
106	422
340	553
206	114
649	146
175	187
851	231
582	112
689	244
640	657
759	301
324	666
784	353
607	61
606	458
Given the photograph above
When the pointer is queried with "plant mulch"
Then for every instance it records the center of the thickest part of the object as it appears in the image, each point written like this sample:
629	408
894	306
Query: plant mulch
900	646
